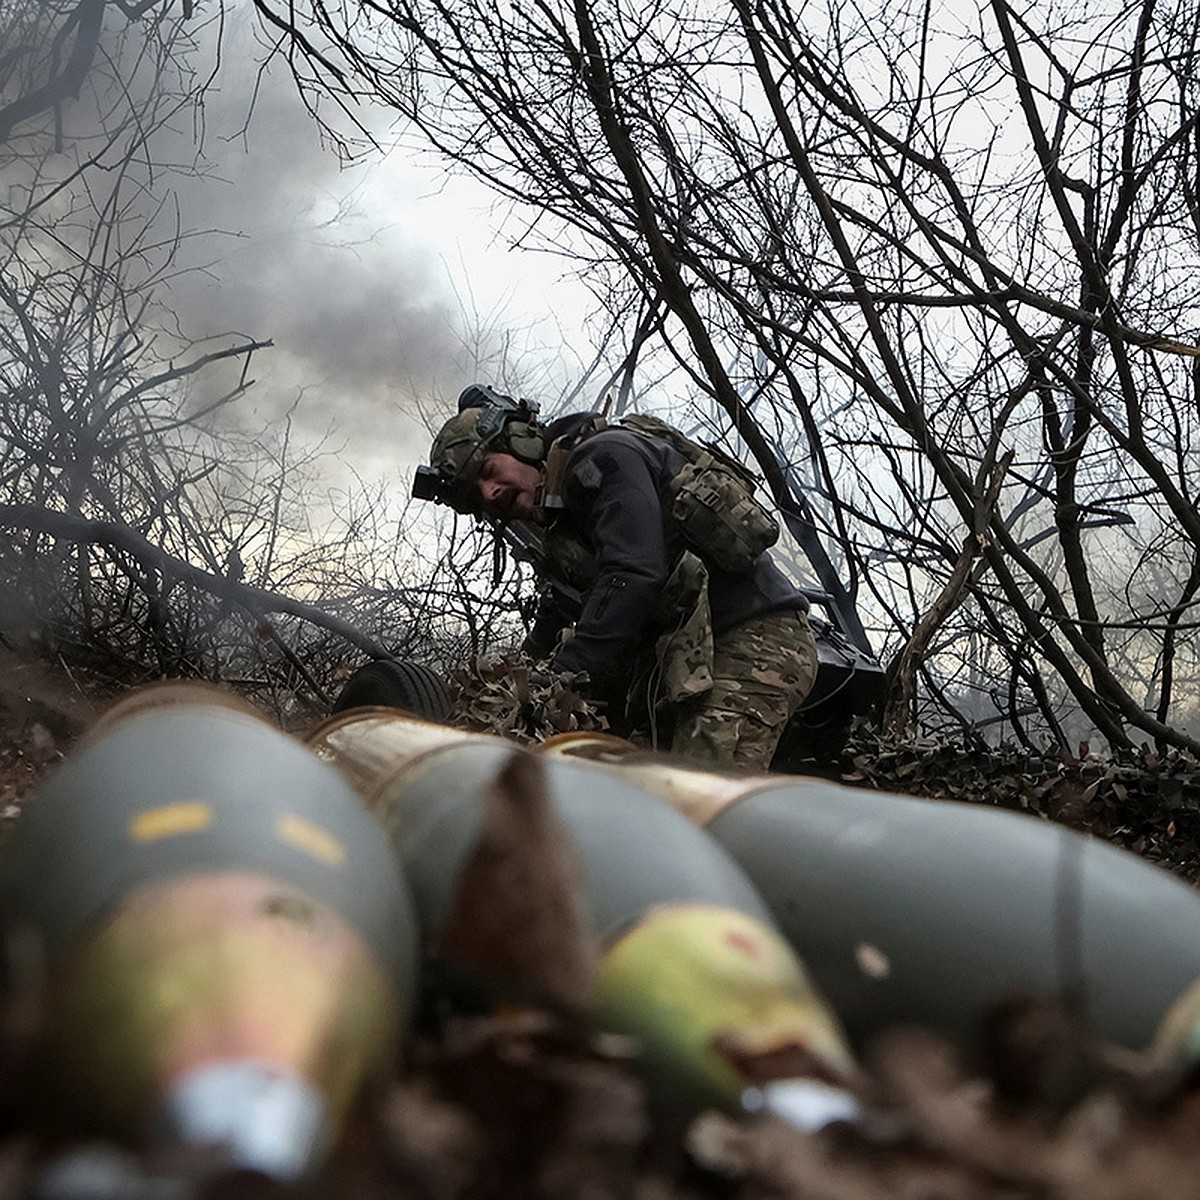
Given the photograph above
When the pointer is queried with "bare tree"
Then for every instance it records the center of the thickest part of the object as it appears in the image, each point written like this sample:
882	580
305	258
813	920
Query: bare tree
140	527
935	266
50	50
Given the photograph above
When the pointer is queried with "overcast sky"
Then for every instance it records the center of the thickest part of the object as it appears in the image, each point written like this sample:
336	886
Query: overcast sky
383	286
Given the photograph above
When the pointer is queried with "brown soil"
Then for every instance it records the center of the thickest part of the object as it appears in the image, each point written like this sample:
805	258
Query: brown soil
44	706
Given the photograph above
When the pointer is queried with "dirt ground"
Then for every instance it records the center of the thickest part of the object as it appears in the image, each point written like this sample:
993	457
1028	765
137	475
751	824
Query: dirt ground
526	1104
44	706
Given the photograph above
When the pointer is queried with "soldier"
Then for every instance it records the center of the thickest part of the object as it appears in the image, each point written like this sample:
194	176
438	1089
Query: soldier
662	588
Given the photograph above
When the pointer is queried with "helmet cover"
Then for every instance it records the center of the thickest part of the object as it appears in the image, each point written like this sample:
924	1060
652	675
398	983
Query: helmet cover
459	448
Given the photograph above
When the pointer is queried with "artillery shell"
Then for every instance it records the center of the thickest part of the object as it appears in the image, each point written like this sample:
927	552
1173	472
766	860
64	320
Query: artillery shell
921	911
689	963
231	948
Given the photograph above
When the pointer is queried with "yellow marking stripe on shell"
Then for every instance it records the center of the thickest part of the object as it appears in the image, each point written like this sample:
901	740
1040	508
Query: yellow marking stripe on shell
169	820
310	838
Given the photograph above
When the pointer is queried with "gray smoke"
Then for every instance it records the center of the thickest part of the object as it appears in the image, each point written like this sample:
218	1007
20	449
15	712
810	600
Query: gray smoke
361	314
372	335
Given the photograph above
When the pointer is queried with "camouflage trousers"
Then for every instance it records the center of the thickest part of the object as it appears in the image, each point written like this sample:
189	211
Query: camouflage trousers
762	670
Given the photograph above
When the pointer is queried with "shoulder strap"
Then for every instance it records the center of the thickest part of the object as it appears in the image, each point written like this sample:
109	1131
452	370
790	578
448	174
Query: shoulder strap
558	457
703	454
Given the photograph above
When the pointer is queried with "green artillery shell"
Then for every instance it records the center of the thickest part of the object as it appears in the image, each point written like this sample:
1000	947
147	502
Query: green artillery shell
1177	1039
691	966
908	910
706	990
231	946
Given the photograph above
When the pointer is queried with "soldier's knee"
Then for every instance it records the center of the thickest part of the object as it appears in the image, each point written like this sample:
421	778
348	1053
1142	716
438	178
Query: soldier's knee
706	737
728	738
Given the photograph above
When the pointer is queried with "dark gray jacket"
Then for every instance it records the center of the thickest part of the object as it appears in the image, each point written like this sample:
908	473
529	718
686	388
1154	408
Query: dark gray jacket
612	502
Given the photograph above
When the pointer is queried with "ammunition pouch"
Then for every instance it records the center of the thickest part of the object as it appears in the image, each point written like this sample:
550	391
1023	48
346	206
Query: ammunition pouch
711	500
710	505
716	514
684	652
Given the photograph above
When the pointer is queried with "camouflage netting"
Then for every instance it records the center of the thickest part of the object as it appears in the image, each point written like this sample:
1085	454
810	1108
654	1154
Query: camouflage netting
1143	800
512	697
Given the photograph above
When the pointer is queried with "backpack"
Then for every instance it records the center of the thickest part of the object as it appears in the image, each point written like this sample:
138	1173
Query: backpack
710	502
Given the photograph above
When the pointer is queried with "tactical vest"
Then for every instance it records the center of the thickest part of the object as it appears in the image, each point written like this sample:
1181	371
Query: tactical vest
709	504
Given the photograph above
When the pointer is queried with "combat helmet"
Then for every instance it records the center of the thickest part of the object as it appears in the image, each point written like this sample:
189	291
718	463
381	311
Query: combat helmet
486	421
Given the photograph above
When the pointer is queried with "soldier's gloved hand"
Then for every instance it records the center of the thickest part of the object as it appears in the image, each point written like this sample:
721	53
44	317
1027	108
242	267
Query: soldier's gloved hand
545	674
541	674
